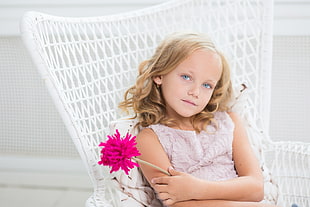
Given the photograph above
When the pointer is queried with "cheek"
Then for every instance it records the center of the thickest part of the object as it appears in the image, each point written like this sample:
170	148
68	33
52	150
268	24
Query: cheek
172	89
168	93
206	98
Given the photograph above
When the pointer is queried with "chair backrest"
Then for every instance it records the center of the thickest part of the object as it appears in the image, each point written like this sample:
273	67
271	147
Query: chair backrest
88	63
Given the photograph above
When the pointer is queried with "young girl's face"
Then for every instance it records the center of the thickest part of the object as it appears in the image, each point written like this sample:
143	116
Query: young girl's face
188	88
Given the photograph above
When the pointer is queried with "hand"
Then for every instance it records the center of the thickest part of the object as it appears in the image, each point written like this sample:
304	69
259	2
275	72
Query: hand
175	188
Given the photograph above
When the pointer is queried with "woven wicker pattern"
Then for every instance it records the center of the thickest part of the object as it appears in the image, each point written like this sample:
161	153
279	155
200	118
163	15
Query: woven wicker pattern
88	63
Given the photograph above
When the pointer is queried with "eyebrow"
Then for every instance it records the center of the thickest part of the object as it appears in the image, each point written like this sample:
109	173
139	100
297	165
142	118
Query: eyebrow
214	82
191	73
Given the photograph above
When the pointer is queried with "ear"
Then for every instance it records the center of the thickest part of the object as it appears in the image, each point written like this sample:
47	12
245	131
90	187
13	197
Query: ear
158	80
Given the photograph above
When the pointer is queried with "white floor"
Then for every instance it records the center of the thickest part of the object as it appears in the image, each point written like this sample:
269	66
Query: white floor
29	189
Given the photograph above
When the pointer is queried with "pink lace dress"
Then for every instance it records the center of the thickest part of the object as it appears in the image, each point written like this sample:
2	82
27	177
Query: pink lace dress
207	155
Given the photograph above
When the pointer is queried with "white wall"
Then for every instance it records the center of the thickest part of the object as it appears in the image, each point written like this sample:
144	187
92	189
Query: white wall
291	16
29	120
290	111
12	11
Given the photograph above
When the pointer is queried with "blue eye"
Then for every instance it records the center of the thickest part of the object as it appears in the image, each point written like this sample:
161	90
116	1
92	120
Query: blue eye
186	77
206	85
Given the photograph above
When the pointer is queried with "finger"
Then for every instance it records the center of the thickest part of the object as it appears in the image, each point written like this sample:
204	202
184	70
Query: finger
161	180
163	196
161	188
168	202
173	172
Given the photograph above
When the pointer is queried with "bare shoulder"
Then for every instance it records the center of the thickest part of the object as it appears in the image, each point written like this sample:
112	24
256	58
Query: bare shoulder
146	132
235	117
147	141
146	136
240	134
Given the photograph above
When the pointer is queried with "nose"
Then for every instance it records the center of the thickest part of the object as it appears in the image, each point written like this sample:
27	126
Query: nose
194	90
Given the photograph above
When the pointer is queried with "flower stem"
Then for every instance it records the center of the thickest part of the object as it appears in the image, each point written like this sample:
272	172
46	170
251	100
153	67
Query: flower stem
151	165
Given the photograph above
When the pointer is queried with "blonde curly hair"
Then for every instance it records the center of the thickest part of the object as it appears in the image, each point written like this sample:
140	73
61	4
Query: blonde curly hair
145	98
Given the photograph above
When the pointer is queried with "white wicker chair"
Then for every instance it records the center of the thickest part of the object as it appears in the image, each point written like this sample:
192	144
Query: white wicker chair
87	63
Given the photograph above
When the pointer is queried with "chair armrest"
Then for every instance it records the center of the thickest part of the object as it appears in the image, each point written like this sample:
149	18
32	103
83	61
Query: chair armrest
289	163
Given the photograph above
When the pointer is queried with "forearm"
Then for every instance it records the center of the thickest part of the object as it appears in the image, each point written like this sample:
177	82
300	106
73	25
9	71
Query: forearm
221	203
239	189
184	187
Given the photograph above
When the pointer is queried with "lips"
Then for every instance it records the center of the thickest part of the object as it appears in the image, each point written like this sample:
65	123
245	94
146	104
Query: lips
189	102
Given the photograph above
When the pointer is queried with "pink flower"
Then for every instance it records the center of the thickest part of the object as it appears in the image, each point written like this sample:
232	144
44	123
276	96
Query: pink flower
117	152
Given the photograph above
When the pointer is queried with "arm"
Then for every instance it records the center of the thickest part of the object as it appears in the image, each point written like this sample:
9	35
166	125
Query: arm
250	178
221	203
247	187
151	151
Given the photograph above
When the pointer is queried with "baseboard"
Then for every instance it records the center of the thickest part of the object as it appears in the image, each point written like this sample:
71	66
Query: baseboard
43	172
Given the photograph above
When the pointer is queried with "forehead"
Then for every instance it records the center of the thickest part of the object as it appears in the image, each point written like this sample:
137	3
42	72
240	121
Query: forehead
202	63
203	56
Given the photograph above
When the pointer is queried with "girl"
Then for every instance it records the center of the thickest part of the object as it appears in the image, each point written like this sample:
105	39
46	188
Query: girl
181	102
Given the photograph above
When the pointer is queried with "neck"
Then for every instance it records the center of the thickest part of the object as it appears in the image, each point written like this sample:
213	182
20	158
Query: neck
188	126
